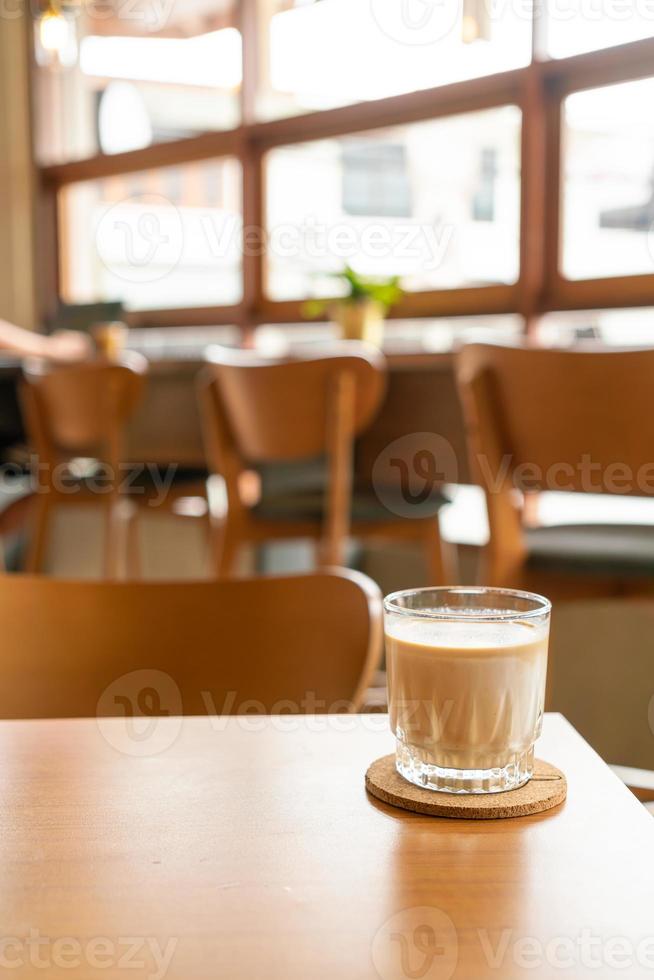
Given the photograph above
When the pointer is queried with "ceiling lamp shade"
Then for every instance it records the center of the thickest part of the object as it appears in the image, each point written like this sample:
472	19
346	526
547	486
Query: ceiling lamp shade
55	36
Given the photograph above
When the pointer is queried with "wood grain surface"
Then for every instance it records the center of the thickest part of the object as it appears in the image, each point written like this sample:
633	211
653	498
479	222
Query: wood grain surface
248	848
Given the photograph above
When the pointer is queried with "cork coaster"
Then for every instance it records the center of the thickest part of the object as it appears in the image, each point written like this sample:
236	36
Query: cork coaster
546	789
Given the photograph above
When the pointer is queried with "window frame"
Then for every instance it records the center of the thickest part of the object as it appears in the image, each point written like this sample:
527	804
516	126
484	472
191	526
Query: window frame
538	90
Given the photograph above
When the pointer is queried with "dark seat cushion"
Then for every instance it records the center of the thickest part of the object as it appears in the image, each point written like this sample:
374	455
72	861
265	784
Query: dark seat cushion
138	481
143	476
601	549
308	505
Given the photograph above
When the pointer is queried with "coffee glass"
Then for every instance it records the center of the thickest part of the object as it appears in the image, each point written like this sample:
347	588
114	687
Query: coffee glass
466	685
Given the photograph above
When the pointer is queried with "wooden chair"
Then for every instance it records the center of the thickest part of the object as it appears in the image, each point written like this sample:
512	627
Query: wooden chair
308	643
80	411
259	411
561	420
600	678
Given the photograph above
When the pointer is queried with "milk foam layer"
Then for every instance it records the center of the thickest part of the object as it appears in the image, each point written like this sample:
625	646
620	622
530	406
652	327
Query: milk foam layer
468	695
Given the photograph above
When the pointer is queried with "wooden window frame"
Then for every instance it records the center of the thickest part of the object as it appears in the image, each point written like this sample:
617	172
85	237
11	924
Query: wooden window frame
538	90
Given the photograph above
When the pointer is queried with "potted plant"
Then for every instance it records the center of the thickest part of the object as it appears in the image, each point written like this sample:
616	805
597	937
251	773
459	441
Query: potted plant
360	314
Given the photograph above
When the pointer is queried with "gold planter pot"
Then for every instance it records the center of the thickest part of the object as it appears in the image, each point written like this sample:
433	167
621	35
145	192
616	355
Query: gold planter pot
360	321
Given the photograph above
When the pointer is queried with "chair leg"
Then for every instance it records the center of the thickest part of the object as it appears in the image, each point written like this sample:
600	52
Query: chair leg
14	518
501	571
133	546
116	534
38	532
330	553
441	557
226	546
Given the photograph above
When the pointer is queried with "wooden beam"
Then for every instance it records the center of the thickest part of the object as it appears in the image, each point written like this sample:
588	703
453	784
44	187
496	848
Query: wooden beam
434	303
200	316
533	184
622	63
249	26
553	194
609	293
254	225
473	95
204	147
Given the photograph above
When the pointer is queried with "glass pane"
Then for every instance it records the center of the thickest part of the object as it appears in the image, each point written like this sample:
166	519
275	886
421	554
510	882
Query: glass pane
318	55
575	26
431	335
608	181
161	239
614	328
436	203
133	74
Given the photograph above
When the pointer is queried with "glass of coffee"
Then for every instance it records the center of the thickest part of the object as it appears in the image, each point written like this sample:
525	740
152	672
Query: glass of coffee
466	685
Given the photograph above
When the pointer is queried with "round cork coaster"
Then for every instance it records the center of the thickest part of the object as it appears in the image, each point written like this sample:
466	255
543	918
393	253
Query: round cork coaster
546	788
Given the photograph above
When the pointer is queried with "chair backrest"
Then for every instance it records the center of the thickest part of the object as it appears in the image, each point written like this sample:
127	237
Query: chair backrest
280	410
308	643
82	408
600	676
560	420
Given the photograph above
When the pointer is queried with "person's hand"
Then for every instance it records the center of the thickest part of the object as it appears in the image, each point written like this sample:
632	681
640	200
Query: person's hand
67	346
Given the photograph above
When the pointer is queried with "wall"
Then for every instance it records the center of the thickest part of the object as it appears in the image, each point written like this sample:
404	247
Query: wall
17	202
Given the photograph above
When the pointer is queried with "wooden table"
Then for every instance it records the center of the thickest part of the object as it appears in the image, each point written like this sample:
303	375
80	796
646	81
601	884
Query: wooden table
257	854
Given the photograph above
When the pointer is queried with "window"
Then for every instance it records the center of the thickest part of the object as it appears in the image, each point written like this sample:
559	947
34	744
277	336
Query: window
164	238
319	55
609	181
430	335
141	74
401	202
217	161
614	328
575	26
483	202
376	179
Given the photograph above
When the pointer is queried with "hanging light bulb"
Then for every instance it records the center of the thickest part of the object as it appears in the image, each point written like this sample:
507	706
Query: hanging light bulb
475	24
55	37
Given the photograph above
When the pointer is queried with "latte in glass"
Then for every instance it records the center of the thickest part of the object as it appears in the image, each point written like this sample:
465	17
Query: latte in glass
466	678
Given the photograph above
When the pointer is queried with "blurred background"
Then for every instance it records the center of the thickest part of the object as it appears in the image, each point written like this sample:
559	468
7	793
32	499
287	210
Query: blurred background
278	177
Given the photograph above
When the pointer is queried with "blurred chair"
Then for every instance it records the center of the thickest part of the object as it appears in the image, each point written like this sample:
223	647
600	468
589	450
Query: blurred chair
81	412
600	677
256	411
303	644
556	420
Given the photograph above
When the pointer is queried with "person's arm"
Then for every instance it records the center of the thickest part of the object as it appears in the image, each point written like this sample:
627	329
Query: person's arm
63	345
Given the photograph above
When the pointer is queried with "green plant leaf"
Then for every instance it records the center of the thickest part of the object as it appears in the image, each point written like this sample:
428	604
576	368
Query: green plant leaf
313	308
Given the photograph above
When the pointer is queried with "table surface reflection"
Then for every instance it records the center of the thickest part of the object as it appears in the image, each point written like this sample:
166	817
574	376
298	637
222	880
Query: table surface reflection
248	848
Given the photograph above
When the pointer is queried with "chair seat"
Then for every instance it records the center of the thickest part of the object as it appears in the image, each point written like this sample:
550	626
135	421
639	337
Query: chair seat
137	482
595	549
308	505
182	475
